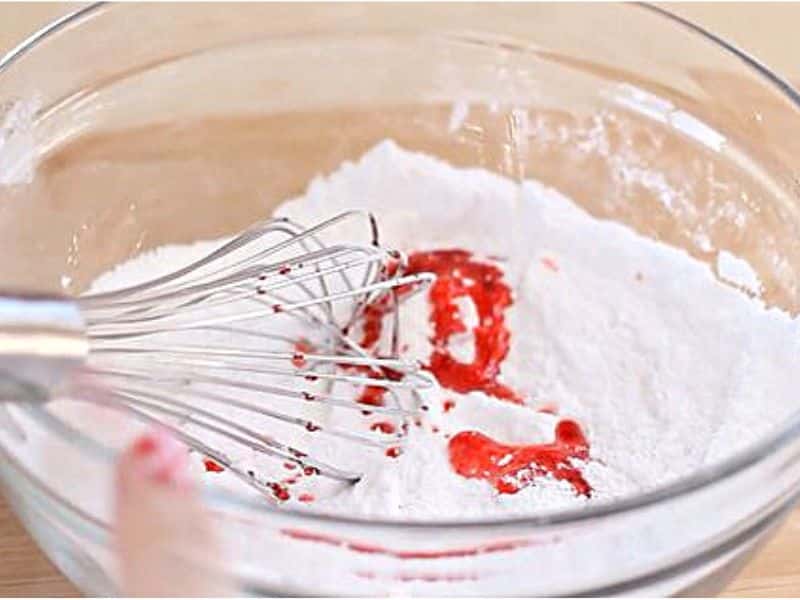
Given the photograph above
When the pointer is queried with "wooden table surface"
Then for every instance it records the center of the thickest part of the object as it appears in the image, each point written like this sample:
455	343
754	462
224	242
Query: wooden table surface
768	30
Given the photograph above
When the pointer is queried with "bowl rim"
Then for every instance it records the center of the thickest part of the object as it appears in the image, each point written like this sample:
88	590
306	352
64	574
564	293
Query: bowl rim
700	478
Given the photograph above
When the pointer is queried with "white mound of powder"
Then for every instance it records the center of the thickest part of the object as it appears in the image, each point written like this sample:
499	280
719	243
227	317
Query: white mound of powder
665	367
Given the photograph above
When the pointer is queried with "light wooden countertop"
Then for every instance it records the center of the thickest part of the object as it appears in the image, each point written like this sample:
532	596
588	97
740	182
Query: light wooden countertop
767	30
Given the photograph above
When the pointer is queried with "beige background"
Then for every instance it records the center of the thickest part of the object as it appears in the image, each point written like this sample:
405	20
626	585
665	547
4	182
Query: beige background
766	30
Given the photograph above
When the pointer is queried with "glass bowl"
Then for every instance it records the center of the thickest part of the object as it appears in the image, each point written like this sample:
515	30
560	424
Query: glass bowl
126	127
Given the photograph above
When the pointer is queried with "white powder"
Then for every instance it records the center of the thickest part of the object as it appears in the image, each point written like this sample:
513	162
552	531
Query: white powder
665	367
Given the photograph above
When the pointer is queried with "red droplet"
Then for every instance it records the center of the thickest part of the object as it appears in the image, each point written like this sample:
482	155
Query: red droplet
548	409
448	405
510	468
301	347
213	467
279	491
372	395
308	471
312	427
383	427
289	465
393	452
307	498
285	270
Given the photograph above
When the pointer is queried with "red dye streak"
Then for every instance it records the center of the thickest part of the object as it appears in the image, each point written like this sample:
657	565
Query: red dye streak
550	263
373	322
362	548
459	275
289	465
548	409
213	467
511	468
383	427
449	405
307	498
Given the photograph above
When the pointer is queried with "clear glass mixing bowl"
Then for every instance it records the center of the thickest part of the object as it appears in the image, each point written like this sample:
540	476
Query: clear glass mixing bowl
126	127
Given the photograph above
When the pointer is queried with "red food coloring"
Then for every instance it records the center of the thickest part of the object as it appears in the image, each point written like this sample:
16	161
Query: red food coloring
372	324
308	396
311	427
276	308
550	263
306	498
372	395
548	409
448	405
510	468
460	275
435	429
393	452
289	465
280	492
285	270
383	427
301	348
366	413
308	471
362	548
212	467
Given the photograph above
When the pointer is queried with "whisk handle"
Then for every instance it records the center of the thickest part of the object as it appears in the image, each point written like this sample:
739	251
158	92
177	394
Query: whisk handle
42	339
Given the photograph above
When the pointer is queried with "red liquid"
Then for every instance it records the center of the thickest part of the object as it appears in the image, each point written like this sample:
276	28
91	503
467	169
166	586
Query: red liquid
213	467
302	347
372	395
279	491
383	427
510	468
393	452
459	275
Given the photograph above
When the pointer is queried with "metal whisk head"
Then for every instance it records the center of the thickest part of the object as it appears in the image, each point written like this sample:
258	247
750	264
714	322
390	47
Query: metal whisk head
260	327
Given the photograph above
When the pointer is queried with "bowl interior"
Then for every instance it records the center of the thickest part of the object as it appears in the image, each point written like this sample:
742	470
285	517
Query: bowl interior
200	133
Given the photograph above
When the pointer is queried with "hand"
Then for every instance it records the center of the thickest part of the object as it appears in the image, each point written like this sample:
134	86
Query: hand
164	536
